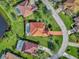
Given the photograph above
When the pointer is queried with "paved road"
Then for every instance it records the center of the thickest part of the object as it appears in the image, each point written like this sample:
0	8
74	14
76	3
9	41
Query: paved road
63	28
73	44
69	56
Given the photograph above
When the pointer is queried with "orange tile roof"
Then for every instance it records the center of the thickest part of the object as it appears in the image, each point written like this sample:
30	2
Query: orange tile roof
11	56
35	26
38	29
26	9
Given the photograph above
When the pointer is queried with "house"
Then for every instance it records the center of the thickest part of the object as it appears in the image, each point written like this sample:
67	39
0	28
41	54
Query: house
75	26
72	5
57	0
9	55
26	8
35	29
3	26
39	29
76	21
27	47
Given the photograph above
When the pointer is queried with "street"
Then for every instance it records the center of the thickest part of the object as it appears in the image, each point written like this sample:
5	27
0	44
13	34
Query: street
63	28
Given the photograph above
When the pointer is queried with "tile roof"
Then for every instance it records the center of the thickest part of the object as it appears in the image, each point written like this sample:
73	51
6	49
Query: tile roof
38	29
70	1
72	5
26	9
35	26
30	47
11	56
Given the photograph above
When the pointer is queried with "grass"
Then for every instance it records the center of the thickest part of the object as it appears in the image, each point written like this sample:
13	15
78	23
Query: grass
66	19
73	51
62	57
4	14
10	40
57	41
74	37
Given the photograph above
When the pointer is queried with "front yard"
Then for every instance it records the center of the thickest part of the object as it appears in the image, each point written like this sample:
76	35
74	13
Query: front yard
68	21
44	15
72	51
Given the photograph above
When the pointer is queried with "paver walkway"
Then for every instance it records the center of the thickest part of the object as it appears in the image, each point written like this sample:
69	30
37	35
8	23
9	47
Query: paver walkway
55	32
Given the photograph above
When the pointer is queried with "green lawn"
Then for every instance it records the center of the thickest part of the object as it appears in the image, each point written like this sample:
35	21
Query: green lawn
62	57
66	19
72	51
74	37
57	41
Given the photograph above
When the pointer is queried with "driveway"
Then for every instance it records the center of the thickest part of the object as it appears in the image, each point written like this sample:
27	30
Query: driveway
73	44
69	56
45	49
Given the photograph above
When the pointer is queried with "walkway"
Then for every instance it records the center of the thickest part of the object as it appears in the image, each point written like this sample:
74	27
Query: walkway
62	26
56	33
73	44
69	56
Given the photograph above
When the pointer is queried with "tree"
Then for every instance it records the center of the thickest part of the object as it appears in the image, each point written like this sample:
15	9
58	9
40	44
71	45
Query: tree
49	26
62	1
77	13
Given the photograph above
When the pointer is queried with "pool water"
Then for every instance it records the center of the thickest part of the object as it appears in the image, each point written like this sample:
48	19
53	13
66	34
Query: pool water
3	26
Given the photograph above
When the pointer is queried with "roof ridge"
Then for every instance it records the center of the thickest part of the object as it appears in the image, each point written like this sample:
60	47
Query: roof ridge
34	31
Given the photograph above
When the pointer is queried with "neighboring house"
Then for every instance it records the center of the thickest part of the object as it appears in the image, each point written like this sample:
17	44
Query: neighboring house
39	29
72	5
76	21
76	25
57	0
26	8
27	47
9	55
